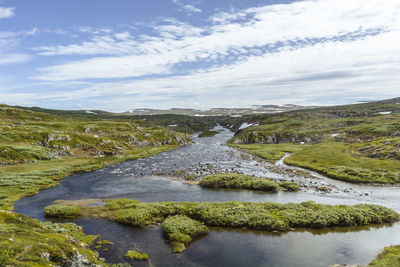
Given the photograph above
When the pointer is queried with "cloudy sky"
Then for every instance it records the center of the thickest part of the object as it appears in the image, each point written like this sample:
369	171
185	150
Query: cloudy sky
124	54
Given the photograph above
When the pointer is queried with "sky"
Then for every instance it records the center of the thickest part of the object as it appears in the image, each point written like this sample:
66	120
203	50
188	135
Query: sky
121	55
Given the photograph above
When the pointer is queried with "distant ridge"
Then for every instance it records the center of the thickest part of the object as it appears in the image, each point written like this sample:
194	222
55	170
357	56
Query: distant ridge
255	109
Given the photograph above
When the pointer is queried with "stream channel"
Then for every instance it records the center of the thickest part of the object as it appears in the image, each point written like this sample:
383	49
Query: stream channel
154	179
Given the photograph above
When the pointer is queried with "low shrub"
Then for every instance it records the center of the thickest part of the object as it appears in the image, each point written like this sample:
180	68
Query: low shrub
62	211
180	231
134	255
238	181
390	256
289	186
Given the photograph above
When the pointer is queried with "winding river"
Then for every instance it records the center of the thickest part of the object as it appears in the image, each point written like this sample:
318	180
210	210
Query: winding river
152	179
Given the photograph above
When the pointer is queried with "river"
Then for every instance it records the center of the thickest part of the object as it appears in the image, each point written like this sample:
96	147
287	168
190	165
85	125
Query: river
152	179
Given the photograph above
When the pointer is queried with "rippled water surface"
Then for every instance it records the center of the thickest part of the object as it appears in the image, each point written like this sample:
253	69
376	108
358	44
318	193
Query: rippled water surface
150	179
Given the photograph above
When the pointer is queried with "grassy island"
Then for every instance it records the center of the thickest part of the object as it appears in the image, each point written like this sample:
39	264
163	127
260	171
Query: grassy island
189	218
242	181
134	255
180	231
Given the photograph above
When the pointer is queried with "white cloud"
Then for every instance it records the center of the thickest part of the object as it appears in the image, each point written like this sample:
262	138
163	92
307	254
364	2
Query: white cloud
9	43
14	58
6	12
334	70
279	27
192	9
189	8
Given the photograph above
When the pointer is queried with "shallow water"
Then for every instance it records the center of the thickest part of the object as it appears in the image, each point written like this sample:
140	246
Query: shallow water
149	180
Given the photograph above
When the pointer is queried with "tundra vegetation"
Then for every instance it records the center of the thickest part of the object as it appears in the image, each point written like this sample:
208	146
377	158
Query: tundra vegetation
29	242
134	255
36	151
390	256
242	181
355	143
183	221
180	231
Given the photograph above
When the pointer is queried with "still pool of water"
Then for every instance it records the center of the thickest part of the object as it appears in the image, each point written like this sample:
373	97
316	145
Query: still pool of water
141	180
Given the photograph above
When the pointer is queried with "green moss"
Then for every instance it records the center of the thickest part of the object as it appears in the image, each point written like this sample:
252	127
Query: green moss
104	242
238	181
390	256
289	186
181	230
134	255
62	211
25	242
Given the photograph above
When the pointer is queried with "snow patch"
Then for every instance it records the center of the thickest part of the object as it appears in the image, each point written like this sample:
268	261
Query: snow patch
91	112
245	125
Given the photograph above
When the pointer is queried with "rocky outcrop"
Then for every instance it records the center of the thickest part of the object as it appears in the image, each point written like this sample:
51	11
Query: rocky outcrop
78	260
255	137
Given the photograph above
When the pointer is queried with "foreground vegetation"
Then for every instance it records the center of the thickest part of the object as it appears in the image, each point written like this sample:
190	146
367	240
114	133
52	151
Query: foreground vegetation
180	231
134	255
181	228
28	242
390	256
242	181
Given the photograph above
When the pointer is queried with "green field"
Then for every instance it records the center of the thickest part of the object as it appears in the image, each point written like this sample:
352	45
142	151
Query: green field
337	160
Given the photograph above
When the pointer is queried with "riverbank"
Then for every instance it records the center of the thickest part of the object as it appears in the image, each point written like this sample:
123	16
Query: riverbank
332	159
17	181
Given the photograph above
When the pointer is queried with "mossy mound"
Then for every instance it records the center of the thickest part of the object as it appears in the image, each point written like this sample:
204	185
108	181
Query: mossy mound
180	231
239	181
134	255
62	211
289	186
390	256
29	242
